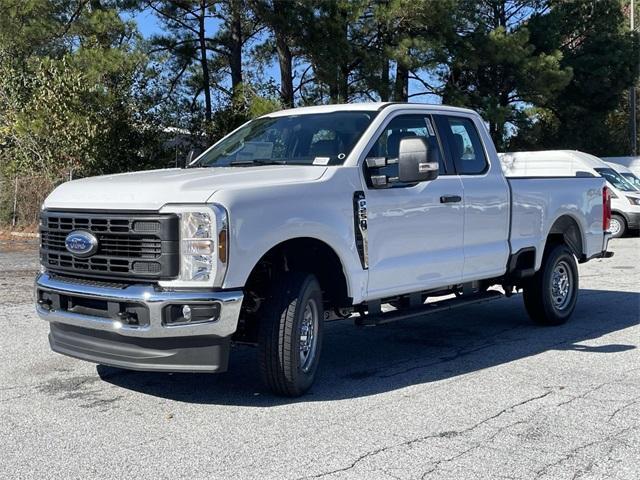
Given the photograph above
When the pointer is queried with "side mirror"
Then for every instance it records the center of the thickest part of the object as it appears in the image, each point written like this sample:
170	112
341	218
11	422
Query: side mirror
413	164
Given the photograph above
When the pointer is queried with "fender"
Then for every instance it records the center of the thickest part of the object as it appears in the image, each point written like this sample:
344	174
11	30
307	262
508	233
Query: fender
263	217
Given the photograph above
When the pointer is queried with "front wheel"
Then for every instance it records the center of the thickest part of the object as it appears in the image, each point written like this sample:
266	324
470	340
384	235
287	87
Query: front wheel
551	294
290	335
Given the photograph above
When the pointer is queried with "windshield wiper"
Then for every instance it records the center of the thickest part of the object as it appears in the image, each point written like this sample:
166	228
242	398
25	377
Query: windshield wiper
258	161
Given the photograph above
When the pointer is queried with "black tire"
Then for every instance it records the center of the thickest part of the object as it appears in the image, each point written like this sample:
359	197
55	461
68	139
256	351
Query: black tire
617	233
282	367
542	306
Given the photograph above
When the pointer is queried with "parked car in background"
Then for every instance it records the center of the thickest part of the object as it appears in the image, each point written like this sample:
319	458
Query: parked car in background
627	173
625	198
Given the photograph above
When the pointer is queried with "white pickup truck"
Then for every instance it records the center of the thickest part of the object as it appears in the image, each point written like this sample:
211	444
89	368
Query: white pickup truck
373	211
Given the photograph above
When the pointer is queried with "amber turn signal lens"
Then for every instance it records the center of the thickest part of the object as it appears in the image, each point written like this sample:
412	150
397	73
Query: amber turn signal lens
222	246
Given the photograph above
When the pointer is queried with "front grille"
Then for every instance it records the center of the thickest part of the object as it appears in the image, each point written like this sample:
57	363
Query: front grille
136	246
114	245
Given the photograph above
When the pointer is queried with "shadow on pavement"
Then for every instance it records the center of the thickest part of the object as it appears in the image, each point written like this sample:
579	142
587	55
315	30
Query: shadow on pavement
359	362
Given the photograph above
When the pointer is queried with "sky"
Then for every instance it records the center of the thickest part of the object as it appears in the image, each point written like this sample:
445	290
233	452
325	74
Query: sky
147	23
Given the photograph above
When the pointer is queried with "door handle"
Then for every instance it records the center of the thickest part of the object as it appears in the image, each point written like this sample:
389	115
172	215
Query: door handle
450	199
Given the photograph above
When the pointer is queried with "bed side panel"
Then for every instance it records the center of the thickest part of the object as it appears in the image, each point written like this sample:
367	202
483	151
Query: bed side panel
539	202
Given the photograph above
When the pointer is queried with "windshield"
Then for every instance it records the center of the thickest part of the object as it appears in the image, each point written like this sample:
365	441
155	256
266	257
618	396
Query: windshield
310	139
632	179
615	179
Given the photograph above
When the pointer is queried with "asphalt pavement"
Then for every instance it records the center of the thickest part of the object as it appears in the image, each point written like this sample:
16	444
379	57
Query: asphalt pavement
479	393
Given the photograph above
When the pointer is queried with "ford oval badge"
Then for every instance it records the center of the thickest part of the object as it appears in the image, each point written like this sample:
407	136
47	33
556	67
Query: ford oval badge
81	243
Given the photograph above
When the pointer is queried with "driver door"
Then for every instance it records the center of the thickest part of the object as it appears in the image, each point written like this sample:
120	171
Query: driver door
415	232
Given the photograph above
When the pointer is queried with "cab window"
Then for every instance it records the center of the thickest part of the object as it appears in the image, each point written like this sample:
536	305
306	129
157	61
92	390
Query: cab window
465	146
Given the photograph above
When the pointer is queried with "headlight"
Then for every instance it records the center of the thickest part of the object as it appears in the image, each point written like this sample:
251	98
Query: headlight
196	246
634	200
203	245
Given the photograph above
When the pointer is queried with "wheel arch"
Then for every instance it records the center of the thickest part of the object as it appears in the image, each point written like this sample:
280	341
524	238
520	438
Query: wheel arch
565	229
306	254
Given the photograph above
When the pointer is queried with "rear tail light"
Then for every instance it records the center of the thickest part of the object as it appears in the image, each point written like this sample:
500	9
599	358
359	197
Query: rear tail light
606	209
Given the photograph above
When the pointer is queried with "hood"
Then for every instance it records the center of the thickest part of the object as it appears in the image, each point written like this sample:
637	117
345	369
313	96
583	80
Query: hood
151	190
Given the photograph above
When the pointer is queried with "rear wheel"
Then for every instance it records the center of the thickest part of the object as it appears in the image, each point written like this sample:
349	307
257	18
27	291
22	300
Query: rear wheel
290	335
617	226
550	295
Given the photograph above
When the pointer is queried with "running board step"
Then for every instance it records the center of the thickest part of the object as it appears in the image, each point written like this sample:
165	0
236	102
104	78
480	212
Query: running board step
427	308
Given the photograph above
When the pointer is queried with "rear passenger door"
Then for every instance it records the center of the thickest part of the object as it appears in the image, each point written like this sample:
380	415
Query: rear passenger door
486	198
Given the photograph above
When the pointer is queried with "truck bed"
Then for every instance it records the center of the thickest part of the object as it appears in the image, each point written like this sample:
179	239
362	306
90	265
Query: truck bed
538	202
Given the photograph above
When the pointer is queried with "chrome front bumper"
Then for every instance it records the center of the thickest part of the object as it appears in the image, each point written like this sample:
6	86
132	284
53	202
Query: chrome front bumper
148	296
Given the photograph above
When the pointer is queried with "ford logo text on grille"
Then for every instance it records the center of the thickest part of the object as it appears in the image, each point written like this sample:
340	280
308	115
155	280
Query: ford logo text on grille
81	243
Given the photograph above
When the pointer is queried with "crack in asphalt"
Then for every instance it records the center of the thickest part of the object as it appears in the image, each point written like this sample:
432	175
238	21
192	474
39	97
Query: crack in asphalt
623	407
585	394
481	443
581	472
574	451
447	434
354	463
436	464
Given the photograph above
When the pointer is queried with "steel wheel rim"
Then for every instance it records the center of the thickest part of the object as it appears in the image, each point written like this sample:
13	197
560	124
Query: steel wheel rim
614	226
562	285
308	335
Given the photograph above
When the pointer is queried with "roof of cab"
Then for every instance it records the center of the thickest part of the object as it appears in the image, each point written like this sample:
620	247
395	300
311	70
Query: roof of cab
366	107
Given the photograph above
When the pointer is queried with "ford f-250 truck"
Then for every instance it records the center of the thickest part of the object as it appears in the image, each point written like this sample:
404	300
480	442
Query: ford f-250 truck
370	211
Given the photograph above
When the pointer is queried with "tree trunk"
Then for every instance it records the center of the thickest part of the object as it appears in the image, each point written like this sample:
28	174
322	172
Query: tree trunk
285	59
204	62
496	130
384	81
401	90
343	70
343	84
235	59
334	91
384	86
